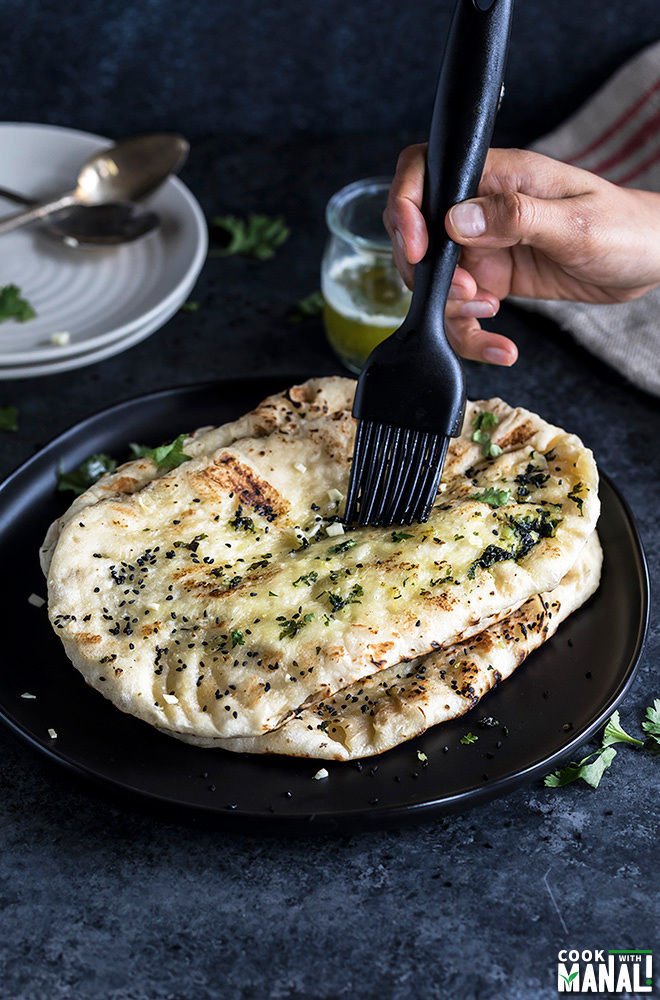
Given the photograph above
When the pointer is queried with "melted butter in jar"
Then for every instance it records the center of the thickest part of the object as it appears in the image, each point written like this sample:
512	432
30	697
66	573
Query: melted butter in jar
365	301
365	298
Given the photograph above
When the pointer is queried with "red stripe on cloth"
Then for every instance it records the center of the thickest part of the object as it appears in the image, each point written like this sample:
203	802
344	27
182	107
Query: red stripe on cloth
646	131
639	169
616	124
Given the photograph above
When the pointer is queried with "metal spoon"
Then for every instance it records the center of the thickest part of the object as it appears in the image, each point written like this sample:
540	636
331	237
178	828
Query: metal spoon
124	172
95	227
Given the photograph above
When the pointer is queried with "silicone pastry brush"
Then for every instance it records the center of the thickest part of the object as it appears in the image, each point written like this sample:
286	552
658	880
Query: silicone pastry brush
410	397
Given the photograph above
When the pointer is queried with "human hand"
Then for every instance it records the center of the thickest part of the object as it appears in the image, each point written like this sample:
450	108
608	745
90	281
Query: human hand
538	228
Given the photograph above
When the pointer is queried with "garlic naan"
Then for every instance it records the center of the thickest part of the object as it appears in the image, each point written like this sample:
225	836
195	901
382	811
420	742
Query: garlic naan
402	702
216	599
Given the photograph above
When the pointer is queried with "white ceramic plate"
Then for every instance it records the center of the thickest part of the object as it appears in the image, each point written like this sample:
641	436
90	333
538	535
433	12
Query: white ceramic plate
98	297
65	364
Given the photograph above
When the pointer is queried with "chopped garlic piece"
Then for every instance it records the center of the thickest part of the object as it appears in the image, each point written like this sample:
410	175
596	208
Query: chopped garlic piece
321	774
299	467
335	495
52	734
442	487
60	339
26	694
336	528
36	601
153	606
171	699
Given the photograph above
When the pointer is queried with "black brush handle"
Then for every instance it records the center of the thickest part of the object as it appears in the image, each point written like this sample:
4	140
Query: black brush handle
466	102
413	379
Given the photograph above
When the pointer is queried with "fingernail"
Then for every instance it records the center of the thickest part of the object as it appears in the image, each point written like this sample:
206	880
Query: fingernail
496	356
400	241
456	292
468	219
478	309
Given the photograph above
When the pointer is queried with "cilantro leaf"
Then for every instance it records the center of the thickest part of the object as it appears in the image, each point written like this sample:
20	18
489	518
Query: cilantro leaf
591	769
80	479
13	305
240	521
483	422
310	305
493	496
237	638
337	602
166	456
468	739
533	477
8	418
399	536
340	547
574	495
651	725
290	627
257	236
615	734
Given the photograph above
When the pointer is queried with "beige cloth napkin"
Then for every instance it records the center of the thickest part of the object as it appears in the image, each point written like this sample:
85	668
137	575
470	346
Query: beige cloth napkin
616	134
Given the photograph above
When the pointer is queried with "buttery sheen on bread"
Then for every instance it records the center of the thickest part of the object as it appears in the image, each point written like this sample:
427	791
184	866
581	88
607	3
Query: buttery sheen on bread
222	599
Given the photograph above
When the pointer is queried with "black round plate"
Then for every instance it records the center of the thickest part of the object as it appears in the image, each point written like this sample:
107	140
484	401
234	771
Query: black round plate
555	701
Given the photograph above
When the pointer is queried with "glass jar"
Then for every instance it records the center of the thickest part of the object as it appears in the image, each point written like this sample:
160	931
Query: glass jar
365	297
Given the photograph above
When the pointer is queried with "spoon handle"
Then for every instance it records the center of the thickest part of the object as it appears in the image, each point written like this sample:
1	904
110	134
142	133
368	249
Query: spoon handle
36	213
14	196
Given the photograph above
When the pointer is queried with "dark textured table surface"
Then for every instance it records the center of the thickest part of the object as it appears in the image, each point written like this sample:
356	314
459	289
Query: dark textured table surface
100	899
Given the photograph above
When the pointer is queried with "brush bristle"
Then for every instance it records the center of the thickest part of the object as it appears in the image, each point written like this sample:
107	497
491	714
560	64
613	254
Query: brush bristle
394	475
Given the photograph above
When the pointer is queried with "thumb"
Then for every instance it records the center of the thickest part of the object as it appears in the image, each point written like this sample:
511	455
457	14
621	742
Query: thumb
556	226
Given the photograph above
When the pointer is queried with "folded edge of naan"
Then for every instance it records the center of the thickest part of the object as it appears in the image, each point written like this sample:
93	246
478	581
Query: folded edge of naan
402	702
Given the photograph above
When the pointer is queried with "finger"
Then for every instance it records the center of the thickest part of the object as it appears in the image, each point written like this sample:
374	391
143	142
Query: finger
463	285
406	270
403	217
563	228
483	306
471	342
533	174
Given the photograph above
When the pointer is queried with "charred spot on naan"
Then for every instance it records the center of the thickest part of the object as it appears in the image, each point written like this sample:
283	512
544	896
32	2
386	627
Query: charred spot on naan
519	434
444	601
150	628
226	474
88	638
120	484
458	449
378	653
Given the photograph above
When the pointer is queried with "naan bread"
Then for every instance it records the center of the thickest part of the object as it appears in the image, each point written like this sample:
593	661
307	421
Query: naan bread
402	702
214	600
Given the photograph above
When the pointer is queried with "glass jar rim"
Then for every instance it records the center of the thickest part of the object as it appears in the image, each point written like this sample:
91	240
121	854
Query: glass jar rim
343	197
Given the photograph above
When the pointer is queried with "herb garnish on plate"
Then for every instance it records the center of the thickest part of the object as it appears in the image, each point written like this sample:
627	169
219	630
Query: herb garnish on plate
13	305
85	475
166	456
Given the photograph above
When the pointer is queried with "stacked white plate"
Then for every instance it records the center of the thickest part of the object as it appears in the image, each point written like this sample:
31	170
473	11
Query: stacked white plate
105	300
